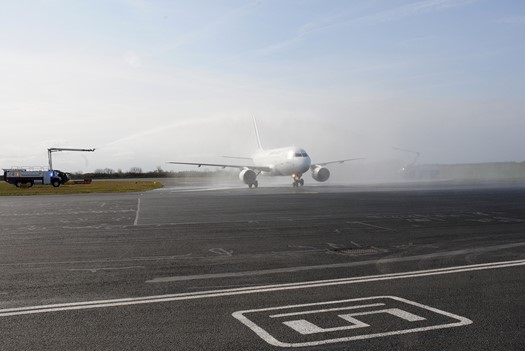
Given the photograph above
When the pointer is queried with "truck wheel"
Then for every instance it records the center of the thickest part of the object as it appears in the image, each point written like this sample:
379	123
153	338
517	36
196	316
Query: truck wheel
18	184
30	183
56	183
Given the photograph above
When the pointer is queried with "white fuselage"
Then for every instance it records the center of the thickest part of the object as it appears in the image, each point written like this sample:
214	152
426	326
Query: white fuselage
287	161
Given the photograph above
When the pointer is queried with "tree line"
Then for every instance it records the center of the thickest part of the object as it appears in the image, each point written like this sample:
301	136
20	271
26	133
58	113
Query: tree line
137	172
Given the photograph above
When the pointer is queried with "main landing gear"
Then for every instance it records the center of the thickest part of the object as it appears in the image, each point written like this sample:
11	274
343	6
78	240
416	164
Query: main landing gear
297	180
255	184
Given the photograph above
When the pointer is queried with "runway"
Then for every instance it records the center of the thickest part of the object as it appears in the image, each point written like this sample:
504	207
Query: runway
229	268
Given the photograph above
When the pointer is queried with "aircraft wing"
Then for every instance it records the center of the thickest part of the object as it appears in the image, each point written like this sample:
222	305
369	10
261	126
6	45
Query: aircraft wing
241	167
338	161
238	157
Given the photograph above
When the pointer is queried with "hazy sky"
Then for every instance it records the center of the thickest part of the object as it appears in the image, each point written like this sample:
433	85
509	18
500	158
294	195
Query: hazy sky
147	82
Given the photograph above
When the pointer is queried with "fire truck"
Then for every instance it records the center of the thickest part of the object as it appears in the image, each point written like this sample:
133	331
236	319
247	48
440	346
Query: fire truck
24	177
27	177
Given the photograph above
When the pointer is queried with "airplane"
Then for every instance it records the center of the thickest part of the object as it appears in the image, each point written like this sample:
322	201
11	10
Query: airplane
287	161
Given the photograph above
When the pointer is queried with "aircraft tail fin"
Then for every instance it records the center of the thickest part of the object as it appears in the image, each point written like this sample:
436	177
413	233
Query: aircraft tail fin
257	134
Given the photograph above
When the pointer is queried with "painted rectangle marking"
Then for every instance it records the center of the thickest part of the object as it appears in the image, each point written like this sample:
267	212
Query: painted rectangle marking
309	325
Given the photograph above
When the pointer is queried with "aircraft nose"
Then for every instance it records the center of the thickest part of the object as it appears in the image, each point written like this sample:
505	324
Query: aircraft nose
306	163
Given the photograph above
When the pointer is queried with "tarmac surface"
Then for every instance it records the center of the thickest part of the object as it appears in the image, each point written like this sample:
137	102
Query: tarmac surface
228	268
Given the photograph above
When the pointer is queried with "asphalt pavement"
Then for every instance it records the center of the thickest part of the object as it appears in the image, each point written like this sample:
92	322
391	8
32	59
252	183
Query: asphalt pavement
223	267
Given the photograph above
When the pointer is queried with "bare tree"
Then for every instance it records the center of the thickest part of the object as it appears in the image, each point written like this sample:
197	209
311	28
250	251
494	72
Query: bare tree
135	170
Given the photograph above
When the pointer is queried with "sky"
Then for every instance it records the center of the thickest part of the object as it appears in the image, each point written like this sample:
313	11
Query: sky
146	82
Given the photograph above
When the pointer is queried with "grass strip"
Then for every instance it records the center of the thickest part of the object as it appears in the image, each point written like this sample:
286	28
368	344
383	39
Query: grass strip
97	186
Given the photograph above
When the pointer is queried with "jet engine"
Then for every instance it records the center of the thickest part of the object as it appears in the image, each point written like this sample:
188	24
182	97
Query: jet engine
248	176
320	173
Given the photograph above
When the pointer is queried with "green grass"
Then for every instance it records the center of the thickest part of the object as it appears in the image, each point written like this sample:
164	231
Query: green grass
97	186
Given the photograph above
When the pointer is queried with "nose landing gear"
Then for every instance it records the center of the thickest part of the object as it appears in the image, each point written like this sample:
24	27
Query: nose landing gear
297	180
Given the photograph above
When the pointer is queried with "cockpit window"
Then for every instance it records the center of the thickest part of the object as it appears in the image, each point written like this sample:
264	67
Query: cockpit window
301	154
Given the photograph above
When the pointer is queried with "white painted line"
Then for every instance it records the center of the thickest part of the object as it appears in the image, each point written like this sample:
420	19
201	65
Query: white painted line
221	251
94	270
335	246
334	265
395	312
109	260
137	214
200	189
355	244
306	328
326	310
372	225
251	290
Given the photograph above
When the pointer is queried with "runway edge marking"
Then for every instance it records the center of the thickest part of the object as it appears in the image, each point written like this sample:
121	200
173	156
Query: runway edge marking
250	290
